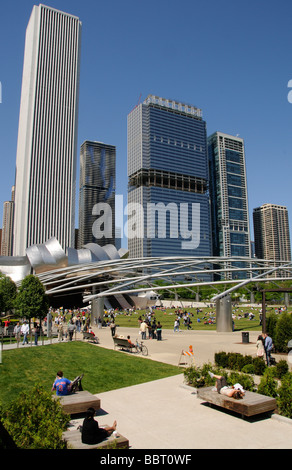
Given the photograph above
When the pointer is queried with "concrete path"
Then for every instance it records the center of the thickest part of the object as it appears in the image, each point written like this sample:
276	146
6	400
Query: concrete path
166	414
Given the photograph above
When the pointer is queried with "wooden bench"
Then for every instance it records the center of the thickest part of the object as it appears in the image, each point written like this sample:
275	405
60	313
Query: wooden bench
90	337
251	404
73	439
122	343
78	402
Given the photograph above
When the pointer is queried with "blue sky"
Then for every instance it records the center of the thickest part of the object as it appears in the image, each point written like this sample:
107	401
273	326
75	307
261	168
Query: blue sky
232	59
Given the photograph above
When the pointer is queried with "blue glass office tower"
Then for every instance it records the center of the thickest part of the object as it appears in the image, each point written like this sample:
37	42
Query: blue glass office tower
229	202
168	199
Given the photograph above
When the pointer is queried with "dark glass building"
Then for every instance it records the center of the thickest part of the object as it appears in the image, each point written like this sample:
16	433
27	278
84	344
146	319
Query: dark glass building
97	194
229	202
168	198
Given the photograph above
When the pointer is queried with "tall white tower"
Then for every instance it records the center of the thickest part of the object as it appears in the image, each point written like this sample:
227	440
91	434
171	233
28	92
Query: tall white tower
45	183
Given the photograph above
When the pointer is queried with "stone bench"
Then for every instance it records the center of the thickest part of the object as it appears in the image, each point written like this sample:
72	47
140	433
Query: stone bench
78	402
73	439
251	404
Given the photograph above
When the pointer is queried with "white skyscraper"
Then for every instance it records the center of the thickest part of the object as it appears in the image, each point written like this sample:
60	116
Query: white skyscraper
45	182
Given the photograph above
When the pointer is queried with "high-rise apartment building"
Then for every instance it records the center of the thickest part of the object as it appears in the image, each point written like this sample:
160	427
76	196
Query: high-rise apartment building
271	232
229	201
7	226
168	200
45	182
97	194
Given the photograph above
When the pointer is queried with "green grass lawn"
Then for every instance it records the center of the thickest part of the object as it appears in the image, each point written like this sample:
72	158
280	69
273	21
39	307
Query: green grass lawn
103	369
168	315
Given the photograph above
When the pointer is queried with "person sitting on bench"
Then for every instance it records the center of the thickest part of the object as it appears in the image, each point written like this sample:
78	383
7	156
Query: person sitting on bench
236	391
91	433
131	345
62	385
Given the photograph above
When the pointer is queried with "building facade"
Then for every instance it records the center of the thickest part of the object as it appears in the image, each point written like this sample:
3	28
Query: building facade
229	200
97	194
45	183
271	232
7	226
168	200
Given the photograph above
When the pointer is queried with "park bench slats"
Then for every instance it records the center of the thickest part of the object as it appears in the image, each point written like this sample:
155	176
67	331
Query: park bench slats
73	439
78	402
251	404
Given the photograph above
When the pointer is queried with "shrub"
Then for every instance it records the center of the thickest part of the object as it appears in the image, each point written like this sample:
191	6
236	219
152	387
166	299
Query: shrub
245	380
283	332
285	396
268	385
221	359
35	421
248	369
259	365
281	368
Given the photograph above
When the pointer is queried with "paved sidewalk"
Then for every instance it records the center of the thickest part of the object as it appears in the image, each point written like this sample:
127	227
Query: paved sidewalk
166	414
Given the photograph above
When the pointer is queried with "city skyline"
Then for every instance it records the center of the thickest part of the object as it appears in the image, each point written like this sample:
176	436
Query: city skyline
241	85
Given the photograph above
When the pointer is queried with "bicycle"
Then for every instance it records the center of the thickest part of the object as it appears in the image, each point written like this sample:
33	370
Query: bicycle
141	348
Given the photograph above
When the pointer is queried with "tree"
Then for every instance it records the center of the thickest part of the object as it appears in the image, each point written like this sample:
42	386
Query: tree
31	300
8	291
283	332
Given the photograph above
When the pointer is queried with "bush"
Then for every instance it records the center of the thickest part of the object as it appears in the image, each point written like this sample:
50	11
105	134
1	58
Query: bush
259	365
268	385
221	359
281	368
283	332
285	396
245	380
35	421
248	369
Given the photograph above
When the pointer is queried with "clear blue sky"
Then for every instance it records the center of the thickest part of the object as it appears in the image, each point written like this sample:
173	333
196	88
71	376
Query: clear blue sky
232	59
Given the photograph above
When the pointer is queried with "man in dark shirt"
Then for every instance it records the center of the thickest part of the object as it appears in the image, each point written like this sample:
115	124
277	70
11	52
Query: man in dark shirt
91	432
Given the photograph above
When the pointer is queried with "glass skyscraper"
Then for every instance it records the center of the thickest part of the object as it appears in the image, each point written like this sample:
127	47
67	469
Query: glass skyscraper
168	199
97	194
45	183
272	234
229	202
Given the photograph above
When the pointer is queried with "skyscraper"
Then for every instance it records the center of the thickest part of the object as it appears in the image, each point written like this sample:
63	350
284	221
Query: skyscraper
271	232
168	201
7	226
229	202
97	194
45	182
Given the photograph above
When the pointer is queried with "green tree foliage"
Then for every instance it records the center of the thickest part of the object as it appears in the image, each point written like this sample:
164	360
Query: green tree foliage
35	420
285	396
31	300
283	332
8	293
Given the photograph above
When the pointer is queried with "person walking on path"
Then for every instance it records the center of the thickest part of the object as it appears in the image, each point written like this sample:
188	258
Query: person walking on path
25	331
260	346
37	332
268	347
159	331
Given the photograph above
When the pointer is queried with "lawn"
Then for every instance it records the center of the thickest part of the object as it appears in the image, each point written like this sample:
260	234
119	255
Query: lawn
103	369
167	316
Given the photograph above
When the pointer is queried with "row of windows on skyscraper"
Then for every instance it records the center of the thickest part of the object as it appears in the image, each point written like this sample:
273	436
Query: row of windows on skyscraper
191	189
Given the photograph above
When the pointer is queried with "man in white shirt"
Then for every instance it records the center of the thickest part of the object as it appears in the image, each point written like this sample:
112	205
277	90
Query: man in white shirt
24	332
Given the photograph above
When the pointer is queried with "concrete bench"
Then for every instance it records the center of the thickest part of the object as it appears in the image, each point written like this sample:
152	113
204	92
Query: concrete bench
73	439
251	404
78	402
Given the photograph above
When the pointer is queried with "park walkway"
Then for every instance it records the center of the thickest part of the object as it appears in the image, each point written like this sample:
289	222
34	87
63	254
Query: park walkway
166	414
